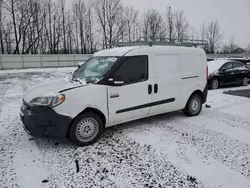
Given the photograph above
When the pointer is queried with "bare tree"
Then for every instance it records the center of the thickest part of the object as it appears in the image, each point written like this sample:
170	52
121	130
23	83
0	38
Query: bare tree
109	18
153	24
50	10
131	19
62	9
214	36
232	45
56	32
7	36
84	25
193	34
12	7
89	24
49	26
75	18
100	9
181	25
203	30
170	24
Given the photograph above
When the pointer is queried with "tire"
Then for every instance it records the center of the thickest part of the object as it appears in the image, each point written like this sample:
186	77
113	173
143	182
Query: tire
215	83
86	129
245	81
194	106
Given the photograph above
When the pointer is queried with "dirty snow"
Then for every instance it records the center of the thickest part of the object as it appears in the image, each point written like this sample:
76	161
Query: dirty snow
171	150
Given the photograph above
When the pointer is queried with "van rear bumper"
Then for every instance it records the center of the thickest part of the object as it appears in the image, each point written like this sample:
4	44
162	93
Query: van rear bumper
205	91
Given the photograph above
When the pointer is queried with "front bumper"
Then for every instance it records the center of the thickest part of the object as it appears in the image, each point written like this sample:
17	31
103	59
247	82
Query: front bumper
44	121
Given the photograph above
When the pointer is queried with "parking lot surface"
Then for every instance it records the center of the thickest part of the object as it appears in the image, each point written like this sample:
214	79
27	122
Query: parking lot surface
170	150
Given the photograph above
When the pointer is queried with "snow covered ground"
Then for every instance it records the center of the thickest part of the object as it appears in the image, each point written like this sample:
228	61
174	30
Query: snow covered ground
171	150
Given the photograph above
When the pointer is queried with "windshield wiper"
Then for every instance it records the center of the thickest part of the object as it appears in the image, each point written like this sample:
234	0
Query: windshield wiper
77	80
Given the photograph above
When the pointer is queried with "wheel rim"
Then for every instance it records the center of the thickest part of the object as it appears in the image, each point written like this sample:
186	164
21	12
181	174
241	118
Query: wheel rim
215	84
245	81
195	105
87	129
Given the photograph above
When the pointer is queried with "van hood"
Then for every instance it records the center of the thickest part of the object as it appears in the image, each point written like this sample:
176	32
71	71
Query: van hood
46	88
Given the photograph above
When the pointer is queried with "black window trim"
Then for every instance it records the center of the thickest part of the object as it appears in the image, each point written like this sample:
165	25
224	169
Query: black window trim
147	73
117	66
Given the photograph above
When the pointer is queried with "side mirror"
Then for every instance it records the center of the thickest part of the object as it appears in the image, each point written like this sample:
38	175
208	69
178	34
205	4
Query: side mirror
117	80
78	66
223	70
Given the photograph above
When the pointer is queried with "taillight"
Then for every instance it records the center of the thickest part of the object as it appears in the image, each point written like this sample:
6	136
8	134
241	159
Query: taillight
207	73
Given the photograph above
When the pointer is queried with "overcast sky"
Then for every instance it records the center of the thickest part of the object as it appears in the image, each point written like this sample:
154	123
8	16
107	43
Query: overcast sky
233	15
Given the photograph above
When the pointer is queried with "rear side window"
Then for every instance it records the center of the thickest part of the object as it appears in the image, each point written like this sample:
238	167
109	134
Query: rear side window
134	69
227	66
238	65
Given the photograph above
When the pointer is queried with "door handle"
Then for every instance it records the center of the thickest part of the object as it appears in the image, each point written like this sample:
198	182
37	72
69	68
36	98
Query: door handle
150	89
156	88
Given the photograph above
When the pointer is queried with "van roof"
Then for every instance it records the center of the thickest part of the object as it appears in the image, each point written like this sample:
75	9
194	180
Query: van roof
121	51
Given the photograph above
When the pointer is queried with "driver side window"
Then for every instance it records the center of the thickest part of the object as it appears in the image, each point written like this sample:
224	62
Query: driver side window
134	69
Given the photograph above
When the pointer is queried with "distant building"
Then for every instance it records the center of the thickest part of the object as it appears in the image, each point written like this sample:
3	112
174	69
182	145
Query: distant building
239	50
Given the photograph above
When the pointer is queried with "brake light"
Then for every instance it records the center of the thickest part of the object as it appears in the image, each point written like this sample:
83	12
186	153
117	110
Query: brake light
207	73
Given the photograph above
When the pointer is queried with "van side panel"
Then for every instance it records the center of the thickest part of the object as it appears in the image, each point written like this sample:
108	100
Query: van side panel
192	65
168	80
193	74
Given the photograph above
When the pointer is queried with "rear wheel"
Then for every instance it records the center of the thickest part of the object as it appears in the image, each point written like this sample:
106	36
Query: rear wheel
194	106
245	81
86	129
215	83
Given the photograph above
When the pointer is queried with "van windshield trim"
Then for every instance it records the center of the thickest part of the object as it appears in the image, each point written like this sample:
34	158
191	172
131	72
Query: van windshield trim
93	70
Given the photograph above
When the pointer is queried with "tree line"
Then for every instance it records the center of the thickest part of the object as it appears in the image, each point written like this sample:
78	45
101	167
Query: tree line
52	26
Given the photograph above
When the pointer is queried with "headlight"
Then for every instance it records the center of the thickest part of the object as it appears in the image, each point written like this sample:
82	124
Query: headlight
50	101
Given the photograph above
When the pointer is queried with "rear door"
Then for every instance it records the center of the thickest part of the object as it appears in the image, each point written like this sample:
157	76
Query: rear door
166	84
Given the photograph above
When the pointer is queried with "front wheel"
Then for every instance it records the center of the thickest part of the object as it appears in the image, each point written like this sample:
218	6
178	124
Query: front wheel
194	106
86	129
245	81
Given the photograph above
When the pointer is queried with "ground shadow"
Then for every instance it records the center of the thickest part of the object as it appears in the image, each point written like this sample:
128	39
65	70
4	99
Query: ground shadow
240	93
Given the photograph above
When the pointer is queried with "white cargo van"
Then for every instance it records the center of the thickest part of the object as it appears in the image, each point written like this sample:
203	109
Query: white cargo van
116	86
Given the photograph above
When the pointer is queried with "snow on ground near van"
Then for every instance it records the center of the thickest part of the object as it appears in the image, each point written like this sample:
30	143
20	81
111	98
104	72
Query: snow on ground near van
171	150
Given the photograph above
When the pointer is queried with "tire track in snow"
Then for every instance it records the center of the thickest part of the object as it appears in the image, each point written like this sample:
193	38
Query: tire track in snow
115	161
230	119
188	158
232	132
232	153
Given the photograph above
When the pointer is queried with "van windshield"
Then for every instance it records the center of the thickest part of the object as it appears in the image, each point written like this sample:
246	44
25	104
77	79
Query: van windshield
93	69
